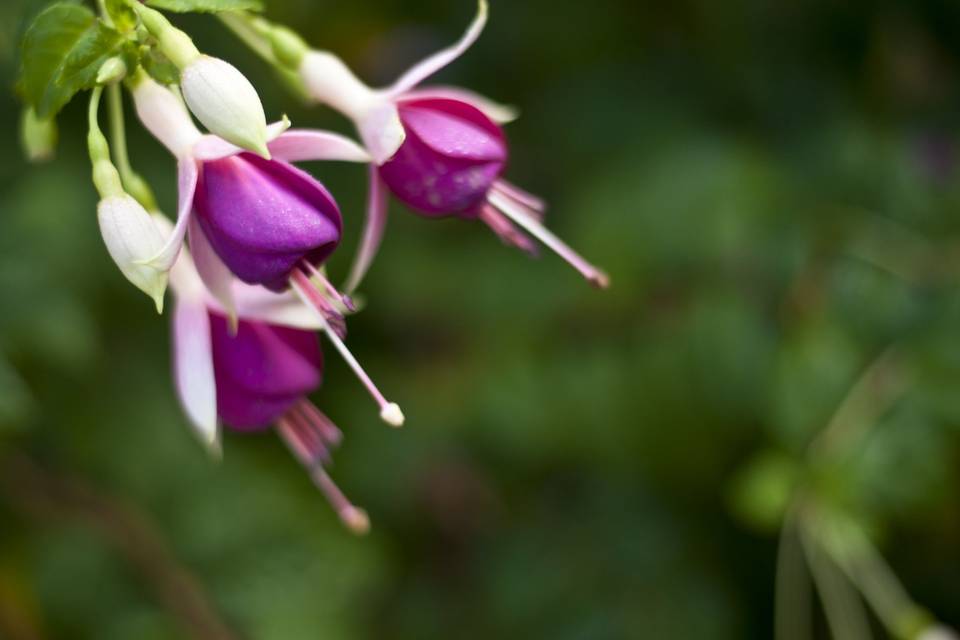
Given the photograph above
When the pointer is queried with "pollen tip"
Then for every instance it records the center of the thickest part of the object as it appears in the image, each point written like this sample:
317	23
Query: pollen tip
392	415
600	279
356	520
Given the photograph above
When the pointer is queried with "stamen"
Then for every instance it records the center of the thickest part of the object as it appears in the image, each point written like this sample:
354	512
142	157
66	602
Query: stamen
353	518
324	425
332	291
505	230
525	198
528	222
389	411
311	438
292	438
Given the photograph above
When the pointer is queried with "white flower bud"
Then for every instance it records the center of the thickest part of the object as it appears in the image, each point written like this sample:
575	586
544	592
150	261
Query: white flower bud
132	236
164	115
226	103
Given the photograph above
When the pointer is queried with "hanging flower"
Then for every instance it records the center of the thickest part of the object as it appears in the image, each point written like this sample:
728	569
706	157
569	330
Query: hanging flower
440	150
254	375
264	221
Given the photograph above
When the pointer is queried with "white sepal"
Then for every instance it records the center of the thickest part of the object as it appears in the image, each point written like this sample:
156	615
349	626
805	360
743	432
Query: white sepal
163	114
426	68
329	81
132	237
226	103
193	368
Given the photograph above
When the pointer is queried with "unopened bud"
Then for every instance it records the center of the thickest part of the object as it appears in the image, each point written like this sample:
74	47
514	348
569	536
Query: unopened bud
226	103
132	237
112	71
38	136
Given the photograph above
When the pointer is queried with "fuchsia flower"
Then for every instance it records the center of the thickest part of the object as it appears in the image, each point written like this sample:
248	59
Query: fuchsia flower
262	220
256	375
440	150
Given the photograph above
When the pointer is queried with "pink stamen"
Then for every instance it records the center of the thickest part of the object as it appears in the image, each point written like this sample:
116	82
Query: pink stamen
505	230
389	411
299	448
523	217
324	425
525	198
332	291
354	518
309	436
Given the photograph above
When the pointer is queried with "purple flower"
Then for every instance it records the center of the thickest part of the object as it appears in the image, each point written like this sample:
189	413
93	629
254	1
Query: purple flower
265	217
440	150
254	373
262	221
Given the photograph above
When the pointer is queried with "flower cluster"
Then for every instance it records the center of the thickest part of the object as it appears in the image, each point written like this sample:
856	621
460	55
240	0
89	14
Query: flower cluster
245	257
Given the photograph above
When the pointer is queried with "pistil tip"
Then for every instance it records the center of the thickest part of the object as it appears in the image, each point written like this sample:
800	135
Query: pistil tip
356	520
600	280
392	415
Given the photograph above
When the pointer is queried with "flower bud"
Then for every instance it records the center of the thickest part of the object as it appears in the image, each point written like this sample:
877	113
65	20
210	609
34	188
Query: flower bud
111	71
38	136
226	103
132	237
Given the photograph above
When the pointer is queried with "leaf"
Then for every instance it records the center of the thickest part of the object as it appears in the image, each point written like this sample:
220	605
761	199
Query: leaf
123	16
206	6
46	45
62	52
79	71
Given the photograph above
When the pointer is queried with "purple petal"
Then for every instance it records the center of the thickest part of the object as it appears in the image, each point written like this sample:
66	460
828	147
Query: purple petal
262	370
451	158
263	217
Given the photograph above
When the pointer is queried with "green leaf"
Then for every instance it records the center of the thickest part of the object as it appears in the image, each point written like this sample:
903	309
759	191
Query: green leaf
62	52
123	16
46	45
206	6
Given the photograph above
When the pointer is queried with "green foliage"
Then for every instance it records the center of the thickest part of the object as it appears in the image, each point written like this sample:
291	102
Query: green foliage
122	14
206	6
62	52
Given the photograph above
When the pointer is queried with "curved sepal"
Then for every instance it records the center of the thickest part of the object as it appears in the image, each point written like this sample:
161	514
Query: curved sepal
426	68
374	226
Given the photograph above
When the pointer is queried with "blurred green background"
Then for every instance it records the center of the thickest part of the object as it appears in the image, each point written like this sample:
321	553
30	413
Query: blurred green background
773	189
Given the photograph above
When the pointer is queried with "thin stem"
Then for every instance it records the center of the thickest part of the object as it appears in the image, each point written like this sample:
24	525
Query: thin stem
841	603
870	397
133	182
865	567
93	111
240	25
792	596
118	133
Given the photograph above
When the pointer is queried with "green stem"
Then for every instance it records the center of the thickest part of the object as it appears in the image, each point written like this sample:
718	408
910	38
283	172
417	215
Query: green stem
841	603
792	586
105	176
133	183
247	32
